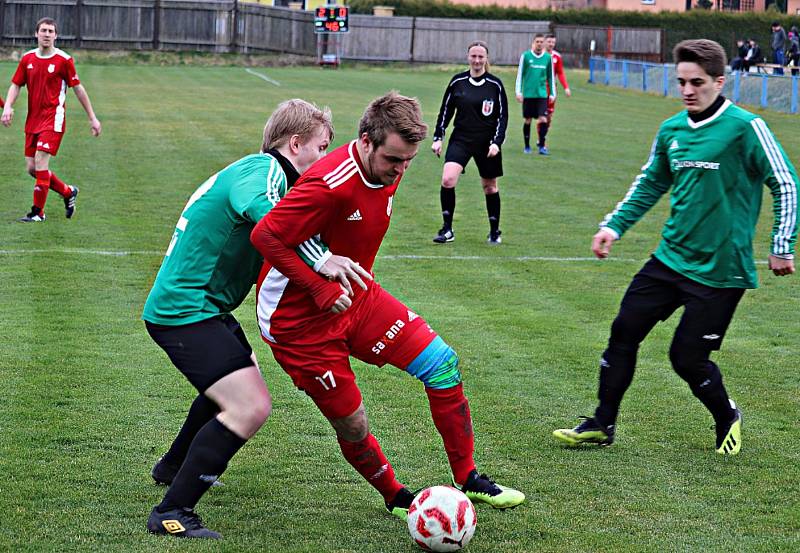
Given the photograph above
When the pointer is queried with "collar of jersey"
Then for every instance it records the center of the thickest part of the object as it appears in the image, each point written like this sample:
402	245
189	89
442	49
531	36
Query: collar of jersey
477	83
36	53
354	154
707	120
540	55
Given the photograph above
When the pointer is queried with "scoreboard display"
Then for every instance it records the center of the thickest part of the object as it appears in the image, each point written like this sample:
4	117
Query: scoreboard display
331	19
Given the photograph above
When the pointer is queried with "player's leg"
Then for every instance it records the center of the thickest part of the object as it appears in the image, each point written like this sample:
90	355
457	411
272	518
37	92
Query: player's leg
701	330
490	169
36	214
322	370
528	114
542	125
389	332
650	297
220	366
455	159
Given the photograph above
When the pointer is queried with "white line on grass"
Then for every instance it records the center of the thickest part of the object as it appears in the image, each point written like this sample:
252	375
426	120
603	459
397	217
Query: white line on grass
260	76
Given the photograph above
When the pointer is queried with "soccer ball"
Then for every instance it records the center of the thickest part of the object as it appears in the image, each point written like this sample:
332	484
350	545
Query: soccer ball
441	518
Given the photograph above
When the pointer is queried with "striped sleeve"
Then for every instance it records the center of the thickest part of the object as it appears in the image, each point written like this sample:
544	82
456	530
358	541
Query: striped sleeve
781	178
446	111
314	252
520	71
249	197
652	183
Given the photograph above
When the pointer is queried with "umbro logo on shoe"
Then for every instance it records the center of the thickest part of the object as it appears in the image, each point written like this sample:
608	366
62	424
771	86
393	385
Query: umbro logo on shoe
356	216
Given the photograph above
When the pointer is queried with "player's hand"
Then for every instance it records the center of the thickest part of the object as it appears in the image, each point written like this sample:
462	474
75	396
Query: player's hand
8	115
601	243
343	269
780	266
494	149
568	92
519	98
96	127
342	304
436	148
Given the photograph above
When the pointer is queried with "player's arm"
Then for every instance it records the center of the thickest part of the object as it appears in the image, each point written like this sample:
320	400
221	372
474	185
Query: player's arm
652	183
502	120
83	98
8	109
520	78
771	163
551	79
300	214
446	111
562	77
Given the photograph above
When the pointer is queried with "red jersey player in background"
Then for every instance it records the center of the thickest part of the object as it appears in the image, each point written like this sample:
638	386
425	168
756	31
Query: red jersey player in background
313	325
47	72
558	69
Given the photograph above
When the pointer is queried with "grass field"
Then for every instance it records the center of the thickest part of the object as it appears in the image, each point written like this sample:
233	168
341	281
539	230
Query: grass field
89	402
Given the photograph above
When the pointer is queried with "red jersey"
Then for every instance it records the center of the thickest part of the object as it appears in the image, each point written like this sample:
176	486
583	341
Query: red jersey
558	69
334	200
47	79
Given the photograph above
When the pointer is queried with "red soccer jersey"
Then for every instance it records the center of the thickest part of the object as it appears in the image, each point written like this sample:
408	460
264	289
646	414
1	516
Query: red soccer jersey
47	80
558	68
334	200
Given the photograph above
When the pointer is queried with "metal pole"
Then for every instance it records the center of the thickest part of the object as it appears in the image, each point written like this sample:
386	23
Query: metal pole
793	106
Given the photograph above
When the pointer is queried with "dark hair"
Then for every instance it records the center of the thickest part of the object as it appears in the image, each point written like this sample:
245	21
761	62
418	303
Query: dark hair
46	21
538	35
550	35
706	53
776	24
393	112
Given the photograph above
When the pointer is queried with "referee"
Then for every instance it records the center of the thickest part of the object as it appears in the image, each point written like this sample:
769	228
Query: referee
478	101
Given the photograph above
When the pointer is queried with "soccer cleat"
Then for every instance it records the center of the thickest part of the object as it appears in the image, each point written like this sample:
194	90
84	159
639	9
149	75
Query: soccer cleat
479	488
69	202
729	437
527	150
35	216
444	235
181	523
164	473
544	151
494	238
587	432
400	504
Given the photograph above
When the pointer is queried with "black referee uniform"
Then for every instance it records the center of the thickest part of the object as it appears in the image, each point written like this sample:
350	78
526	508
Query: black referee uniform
479	110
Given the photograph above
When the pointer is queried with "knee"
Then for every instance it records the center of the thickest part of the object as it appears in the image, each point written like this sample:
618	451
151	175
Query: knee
437	366
32	170
625	332
352	428
490	188
449	181
689	362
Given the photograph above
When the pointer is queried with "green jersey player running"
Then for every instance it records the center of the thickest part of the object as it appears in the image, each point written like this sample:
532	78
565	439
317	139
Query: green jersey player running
715	157
208	270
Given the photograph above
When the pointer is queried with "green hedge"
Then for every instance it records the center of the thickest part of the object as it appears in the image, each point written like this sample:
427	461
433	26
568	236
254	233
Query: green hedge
724	27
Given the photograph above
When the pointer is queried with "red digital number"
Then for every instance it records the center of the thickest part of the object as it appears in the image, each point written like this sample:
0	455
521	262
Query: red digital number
321	12
342	12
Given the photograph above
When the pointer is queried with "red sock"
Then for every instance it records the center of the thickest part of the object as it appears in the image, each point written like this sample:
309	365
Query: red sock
370	462
59	186
450	412
41	189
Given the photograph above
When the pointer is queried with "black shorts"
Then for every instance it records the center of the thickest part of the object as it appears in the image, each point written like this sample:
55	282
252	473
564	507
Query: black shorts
205	351
657	291
533	108
460	150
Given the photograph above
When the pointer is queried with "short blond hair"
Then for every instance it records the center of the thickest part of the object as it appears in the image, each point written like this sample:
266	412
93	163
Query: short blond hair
295	117
393	112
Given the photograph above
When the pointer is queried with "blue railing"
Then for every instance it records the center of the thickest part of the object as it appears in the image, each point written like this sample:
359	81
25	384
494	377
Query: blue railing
778	92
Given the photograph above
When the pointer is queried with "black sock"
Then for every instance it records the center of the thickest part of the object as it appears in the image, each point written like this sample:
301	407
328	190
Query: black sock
542	128
448	199
201	411
711	392
526	134
207	459
493	210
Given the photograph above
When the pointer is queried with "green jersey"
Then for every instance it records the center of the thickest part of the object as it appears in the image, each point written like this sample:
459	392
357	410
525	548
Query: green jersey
716	168
535	76
210	265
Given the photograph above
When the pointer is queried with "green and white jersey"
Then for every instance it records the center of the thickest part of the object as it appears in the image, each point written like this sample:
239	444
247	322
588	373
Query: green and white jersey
535	75
716	168
210	265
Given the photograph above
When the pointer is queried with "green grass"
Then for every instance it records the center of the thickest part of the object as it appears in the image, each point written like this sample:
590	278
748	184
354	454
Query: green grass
89	402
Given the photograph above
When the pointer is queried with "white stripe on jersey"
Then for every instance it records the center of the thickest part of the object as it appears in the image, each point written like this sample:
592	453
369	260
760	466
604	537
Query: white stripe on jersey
500	107
274	179
311	249
269	295
58	124
634	185
343	178
788	187
343	167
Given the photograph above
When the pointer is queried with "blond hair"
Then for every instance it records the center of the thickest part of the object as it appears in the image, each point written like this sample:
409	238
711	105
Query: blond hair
295	117
393	112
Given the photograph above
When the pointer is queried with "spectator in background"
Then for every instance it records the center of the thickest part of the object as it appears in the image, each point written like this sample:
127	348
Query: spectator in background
778	47
753	55
737	63
793	51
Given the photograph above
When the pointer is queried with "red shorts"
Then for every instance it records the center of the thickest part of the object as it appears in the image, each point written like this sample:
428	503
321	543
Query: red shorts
378	330
46	141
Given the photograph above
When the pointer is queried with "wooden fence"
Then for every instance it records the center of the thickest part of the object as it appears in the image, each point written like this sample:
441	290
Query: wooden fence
232	26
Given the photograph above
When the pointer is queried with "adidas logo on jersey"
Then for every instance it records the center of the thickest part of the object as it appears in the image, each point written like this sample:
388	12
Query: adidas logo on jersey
356	216
674	145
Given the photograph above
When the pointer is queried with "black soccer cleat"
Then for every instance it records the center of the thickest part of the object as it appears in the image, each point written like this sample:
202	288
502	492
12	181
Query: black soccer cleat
729	436
181	523
444	235
587	432
479	488
69	202
35	216
494	238
401	503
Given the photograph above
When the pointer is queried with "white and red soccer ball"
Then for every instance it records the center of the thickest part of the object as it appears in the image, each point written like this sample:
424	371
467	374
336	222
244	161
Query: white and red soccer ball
441	518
